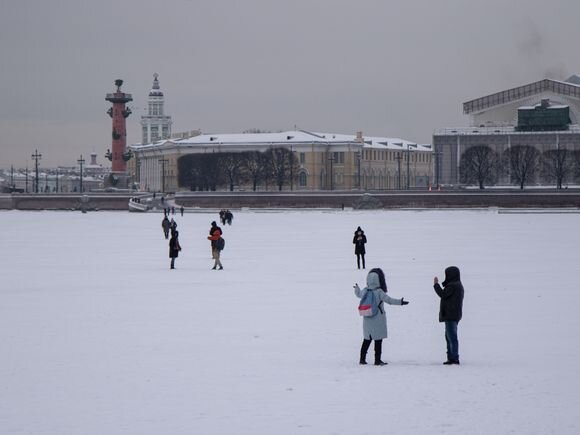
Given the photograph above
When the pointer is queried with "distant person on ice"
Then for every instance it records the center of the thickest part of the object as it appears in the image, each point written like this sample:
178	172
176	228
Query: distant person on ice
359	241
375	327
215	233
165	224
228	216
450	310
174	247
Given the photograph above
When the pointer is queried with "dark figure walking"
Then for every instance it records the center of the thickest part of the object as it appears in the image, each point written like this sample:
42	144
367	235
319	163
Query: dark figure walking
359	241
450	310
165	224
375	327
174	248
172	226
181	210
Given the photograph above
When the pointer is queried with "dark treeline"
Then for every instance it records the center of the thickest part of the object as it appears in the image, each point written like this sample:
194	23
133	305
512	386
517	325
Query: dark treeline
523	164
275	168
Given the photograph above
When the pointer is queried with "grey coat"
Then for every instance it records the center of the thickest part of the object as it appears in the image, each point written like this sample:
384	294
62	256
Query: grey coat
375	328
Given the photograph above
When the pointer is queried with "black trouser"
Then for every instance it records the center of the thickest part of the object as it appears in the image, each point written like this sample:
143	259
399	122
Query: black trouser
358	257
173	262
365	347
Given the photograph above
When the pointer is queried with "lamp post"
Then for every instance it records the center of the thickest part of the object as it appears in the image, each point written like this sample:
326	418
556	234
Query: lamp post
291	158
163	162
437	155
36	158
26	179
81	162
409	165
359	158
399	158
331	160
56	181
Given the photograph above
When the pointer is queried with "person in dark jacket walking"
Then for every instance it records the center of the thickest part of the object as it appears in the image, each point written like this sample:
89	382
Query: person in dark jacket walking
359	241
165	224
174	247
375	328
450	310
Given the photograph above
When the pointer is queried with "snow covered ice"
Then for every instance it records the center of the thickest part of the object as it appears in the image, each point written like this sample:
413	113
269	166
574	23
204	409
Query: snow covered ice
98	336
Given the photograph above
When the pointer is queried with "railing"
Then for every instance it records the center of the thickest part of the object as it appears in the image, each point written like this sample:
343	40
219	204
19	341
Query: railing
520	92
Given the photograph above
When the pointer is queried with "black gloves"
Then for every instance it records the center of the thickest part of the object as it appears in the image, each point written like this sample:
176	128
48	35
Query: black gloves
404	302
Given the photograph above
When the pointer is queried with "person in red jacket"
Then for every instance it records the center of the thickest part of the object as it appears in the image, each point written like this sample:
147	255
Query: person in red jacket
215	233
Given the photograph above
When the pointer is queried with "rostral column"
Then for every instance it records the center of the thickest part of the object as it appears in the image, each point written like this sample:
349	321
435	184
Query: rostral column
119	154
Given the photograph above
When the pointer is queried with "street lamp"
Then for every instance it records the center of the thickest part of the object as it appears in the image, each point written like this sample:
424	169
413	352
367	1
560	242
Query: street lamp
36	158
331	159
437	155
408	164
81	162
399	158
359	158
163	162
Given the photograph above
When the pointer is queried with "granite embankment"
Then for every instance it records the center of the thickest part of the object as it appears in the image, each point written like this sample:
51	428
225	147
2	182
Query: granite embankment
337	200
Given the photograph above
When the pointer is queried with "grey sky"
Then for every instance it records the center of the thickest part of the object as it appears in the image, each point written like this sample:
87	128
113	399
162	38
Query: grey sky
384	67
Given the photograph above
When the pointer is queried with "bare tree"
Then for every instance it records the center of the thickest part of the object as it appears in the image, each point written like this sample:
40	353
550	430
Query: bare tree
230	165
523	162
479	164
256	166
557	165
199	171
283	165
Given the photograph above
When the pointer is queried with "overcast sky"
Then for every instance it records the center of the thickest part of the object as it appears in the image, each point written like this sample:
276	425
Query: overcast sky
385	67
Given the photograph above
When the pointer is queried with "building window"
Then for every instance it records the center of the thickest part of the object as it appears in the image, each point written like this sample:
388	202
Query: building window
303	179
302	158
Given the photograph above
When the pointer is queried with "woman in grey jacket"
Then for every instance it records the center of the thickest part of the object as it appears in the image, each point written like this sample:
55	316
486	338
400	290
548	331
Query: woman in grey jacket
375	328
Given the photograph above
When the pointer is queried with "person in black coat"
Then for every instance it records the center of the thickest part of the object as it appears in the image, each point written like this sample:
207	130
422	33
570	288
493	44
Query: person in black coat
450	310
174	247
359	241
165	224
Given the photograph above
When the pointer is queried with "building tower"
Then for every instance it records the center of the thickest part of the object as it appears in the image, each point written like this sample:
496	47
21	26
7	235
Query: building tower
155	125
118	153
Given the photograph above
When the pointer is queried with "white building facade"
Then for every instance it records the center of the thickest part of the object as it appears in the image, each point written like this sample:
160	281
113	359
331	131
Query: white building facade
155	125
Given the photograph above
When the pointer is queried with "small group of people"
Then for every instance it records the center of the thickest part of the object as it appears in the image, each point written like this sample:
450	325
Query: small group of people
215	237
226	217
171	210
168	226
450	312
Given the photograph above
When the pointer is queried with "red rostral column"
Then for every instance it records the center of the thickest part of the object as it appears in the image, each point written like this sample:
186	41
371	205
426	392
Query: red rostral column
119	155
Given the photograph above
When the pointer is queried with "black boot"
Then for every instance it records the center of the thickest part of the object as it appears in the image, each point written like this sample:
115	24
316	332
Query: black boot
378	352
363	352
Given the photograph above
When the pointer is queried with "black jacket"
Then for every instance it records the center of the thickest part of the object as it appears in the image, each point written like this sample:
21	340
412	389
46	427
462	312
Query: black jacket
174	247
359	241
451	307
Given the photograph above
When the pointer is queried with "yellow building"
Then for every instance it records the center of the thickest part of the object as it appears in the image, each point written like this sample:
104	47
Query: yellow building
321	161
